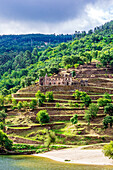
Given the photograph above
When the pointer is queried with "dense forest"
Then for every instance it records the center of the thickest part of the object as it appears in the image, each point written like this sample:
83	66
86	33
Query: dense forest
23	58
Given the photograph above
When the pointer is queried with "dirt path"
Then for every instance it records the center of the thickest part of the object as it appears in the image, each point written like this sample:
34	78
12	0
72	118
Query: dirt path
78	155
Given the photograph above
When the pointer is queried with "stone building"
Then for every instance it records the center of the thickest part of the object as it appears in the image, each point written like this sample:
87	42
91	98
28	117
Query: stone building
58	79
61	80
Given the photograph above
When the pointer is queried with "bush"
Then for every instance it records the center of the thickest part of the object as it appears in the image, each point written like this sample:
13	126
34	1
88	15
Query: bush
74	119
109	109
40	96
77	94
107	120
91	112
86	100
32	104
57	105
42	116
103	102
71	104
25	105
19	105
49	96
76	65
5	142
76	105
108	150
14	102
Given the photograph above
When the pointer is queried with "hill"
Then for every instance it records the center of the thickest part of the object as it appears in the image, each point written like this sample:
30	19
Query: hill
23	124
20	69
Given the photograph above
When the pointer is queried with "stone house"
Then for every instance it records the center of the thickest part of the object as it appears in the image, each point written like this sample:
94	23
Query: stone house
58	79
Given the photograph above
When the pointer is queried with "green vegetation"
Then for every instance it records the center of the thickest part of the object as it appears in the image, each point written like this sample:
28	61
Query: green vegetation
108	150
74	119
33	104
108	120
22	64
40	97
49	96
108	109
42	117
50	138
91	112
5	142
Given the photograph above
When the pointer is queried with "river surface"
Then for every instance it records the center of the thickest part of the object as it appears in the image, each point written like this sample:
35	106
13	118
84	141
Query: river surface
39	163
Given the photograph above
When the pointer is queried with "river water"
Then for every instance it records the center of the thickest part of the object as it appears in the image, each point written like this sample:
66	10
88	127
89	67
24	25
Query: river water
21	162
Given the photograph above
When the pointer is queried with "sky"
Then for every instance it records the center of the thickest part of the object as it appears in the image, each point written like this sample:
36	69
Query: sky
53	16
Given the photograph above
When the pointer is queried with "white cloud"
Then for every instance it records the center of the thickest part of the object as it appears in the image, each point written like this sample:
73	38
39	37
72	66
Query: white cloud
93	14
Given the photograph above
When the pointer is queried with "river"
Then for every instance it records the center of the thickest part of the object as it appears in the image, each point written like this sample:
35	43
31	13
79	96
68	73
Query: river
28	162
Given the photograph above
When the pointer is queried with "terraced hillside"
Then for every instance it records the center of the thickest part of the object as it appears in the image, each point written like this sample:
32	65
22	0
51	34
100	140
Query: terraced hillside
26	129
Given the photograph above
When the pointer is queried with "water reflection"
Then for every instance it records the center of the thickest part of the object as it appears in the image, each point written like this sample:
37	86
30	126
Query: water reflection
39	163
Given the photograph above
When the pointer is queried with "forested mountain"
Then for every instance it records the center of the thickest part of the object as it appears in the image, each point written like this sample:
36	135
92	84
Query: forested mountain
24	57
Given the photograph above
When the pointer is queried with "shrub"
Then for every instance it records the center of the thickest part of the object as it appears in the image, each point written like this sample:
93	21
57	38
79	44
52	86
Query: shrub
3	115
19	105
42	116
49	96
74	119
109	109
40	96
91	112
107	120
107	96
71	104
5	142
25	104
57	105
76	105
103	102
51	138
77	94
14	102
76	65
108	150
32	104
86	100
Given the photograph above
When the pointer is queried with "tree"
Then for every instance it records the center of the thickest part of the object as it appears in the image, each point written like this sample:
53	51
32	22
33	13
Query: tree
42	116
5	142
40	97
19	105
74	119
107	120
33	104
77	94
107	96
103	102
86	100
108	150
50	138
9	98
91	112
25	105
108	109
1	100
3	115
49	96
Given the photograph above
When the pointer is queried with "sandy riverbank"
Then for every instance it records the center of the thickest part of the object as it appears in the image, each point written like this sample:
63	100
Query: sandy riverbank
79	156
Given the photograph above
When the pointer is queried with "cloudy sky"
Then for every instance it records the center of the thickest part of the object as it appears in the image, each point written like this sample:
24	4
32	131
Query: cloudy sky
53	16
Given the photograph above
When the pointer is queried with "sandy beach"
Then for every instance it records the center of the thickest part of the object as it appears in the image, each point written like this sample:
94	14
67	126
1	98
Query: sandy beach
79	156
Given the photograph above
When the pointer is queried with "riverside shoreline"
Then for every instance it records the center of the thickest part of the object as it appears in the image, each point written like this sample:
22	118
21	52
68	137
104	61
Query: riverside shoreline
78	156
